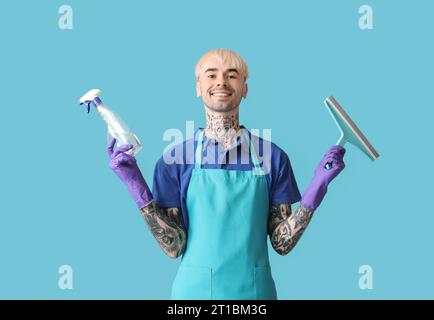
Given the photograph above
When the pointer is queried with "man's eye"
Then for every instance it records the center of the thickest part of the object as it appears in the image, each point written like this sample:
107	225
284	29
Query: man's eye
233	76
211	76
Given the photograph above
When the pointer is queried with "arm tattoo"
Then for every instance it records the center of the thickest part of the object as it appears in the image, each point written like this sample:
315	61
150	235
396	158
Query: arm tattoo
167	227
285	229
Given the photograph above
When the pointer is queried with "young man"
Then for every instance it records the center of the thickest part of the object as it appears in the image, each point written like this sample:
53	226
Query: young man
216	210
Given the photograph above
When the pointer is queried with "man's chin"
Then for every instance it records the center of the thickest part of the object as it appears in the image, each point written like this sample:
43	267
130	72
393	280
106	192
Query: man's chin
221	107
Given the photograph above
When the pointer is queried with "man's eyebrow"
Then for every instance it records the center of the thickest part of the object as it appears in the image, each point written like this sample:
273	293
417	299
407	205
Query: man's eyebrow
215	69
210	69
233	70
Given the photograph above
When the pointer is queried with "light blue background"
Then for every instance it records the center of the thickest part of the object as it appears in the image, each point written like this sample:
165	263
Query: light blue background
61	203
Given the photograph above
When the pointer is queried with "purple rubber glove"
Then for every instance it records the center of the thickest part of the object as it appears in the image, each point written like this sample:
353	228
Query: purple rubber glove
125	166
317	189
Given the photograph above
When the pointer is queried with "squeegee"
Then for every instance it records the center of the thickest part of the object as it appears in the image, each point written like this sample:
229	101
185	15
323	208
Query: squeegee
349	131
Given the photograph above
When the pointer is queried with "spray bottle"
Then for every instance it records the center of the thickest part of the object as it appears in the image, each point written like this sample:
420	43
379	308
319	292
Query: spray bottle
116	127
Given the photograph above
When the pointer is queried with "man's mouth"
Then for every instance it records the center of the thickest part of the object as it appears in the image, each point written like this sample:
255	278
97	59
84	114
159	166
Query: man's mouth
221	93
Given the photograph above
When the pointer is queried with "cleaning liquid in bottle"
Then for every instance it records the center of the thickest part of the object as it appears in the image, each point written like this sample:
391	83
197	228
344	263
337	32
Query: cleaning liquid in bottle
116	127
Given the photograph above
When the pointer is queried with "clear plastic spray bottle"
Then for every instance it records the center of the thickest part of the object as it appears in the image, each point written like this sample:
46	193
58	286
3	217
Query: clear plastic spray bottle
116	127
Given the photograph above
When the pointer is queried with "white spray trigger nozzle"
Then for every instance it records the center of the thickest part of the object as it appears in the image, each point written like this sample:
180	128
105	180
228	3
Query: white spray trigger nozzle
90	95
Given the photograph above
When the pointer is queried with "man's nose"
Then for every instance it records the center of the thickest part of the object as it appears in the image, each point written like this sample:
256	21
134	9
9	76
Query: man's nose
222	81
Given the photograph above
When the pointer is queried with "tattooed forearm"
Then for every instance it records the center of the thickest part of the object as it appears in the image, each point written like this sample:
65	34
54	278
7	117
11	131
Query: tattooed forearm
277	215
285	229
167	227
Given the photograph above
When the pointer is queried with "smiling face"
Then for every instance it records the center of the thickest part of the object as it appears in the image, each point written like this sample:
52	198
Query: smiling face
220	84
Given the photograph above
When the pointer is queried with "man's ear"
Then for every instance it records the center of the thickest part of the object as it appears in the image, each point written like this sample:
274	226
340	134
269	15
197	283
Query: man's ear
198	92
245	90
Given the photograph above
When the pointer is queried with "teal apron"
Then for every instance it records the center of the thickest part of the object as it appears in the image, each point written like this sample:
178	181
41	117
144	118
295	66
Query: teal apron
226	255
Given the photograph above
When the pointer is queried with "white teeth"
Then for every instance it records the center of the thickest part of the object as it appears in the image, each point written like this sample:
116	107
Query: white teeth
218	94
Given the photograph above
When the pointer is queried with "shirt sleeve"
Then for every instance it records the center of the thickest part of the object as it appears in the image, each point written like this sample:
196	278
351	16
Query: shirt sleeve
284	188
166	185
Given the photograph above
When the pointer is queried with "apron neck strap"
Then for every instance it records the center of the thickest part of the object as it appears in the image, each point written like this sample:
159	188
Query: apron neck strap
198	155
253	154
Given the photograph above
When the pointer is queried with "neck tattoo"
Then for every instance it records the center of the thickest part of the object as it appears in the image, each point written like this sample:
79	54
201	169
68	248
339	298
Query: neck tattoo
223	127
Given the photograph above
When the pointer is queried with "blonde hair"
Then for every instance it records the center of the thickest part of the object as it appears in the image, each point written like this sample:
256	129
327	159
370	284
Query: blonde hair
224	56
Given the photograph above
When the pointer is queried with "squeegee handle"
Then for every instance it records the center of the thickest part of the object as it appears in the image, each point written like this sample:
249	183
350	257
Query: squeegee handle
341	143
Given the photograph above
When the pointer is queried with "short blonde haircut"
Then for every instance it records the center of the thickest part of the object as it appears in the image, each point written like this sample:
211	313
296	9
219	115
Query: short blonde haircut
224	56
